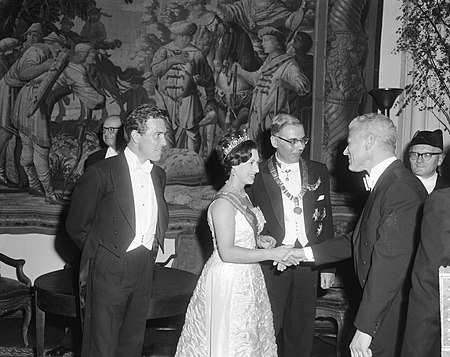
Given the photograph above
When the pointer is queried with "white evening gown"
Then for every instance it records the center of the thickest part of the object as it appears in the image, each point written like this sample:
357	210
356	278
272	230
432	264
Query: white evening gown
229	314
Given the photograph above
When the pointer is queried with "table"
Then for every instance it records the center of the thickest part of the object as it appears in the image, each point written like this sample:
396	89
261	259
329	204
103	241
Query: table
54	293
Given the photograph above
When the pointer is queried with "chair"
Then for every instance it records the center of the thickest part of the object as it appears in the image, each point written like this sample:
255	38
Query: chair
190	254
16	294
334	305
55	293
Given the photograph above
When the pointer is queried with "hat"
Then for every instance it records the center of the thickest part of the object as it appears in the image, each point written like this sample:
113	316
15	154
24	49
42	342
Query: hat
66	20
137	80
53	37
36	27
272	32
183	28
94	11
432	138
8	44
84	47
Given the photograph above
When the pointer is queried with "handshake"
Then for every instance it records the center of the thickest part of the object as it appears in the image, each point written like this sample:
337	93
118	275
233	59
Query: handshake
282	256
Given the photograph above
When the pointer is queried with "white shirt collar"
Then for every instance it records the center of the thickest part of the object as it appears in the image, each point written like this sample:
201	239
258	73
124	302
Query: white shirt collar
293	167
430	182
378	170
110	152
135	164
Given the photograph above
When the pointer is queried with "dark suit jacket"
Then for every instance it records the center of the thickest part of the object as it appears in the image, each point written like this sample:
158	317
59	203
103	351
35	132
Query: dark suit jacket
95	157
441	182
384	243
266	194
102	209
422	334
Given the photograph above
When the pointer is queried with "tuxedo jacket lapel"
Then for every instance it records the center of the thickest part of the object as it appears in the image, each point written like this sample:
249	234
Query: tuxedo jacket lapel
308	201
121	180
383	180
163	213
273	194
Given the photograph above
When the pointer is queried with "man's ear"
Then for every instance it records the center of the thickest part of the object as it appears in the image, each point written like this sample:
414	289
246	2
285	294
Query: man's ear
135	136
370	142
441	159
274	142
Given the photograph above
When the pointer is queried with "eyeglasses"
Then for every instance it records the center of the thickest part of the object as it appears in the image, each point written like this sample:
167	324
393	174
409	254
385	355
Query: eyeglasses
426	156
109	130
294	141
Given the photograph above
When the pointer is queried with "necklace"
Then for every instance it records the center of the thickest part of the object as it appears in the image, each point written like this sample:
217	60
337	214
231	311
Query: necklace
239	193
286	171
295	199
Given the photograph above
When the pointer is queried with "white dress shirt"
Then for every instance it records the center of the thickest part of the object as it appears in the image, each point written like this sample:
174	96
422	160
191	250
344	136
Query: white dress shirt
145	205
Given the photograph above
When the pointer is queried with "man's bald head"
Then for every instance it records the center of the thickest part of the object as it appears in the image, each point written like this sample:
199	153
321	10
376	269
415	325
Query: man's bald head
110	129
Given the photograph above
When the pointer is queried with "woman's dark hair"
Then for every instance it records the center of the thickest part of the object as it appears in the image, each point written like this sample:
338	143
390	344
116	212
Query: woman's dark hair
234	148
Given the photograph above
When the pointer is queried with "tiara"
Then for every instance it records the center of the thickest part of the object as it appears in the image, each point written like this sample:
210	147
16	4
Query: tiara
235	142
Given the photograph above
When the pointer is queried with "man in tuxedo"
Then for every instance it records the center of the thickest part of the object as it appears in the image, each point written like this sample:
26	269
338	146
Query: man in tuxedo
423	325
425	156
118	217
294	195
385	238
112	135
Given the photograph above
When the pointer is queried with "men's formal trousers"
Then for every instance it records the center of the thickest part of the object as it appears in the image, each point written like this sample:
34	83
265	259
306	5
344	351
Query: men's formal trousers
117	302
293	297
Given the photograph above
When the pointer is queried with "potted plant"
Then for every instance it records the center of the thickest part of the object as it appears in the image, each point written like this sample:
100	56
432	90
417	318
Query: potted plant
425	37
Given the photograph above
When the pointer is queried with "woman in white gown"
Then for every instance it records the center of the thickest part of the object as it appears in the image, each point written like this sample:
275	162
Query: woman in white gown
229	314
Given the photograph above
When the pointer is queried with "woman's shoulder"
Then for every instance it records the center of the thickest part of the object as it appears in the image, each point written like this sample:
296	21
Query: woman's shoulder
222	209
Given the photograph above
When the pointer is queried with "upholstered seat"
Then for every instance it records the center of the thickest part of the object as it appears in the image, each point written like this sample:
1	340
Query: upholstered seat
334	305
16	294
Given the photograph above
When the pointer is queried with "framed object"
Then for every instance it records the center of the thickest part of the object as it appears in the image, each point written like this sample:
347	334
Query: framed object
126	52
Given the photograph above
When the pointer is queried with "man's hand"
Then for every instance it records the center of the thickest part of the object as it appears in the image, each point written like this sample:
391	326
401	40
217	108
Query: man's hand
359	347
280	266
265	242
327	280
295	255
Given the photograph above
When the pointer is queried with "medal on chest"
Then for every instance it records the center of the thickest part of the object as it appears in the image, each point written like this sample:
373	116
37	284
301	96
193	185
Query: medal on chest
297	208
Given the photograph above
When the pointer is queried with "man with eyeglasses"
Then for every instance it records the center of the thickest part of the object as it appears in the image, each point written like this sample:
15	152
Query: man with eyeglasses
112	135
425	156
294	195
423	326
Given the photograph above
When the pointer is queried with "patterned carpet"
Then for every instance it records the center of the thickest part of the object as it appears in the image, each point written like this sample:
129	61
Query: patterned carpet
16	351
22	352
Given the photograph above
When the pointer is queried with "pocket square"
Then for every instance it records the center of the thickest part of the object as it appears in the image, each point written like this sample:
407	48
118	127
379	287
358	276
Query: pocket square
321	197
